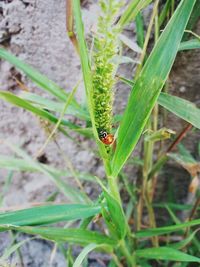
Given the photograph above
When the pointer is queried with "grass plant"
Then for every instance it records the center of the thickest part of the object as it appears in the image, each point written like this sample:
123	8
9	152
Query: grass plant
123	234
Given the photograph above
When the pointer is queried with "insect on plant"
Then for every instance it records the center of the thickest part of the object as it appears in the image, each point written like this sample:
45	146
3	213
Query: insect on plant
106	138
125	229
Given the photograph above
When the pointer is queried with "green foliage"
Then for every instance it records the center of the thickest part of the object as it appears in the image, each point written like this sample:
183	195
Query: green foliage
181	107
149	84
118	225
48	214
117	216
69	191
41	80
77	236
166	230
191	44
165	253
132	11
84	253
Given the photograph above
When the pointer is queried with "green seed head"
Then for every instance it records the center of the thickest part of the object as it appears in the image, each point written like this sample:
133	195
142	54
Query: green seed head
105	48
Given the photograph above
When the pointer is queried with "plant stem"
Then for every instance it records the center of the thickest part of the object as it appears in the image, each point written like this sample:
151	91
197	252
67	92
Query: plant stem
148	155
112	182
70	24
146	39
131	259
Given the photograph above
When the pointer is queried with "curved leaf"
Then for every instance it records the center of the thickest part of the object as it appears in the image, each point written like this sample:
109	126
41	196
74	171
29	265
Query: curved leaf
188	45
165	230
117	216
149	84
19	102
48	214
181	107
165	253
41	80
78	236
132	10
84	253
184	242
55	106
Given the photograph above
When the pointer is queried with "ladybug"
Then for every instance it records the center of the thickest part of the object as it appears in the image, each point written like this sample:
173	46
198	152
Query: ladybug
106	138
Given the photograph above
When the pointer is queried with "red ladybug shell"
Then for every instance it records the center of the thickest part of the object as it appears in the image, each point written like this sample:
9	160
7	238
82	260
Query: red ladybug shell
108	139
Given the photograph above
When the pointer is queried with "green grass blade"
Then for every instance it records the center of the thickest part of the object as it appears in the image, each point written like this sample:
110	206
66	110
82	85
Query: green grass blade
174	206
77	236
85	63
130	43
149	84
165	253
7	253
69	191
140	29
17	164
19	102
174	218
164	12
191	44
166	229
193	19
41	80
186	154
79	260
6	186
181	107
132	10
184	242
48	214
55	106
183	161
117	216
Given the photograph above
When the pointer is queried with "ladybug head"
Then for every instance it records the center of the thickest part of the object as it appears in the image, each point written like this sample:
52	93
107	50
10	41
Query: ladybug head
102	134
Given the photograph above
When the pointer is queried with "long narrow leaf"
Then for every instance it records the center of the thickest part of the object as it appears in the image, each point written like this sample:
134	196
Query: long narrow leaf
185	242
164	12
41	80
174	206
117	215
166	229
12	249
165	253
181	107
48	214
19	102
84	253
16	164
191	44
132	10
68	190
149	84
54	105
77	236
